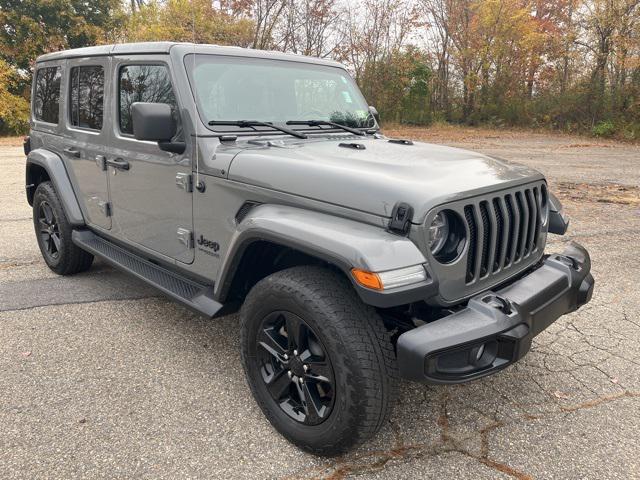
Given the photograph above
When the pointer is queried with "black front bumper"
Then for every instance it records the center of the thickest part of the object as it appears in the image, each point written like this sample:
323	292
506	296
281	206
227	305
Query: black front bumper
496	328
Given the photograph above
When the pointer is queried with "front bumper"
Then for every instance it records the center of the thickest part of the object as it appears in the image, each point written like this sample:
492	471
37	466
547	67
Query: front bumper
496	328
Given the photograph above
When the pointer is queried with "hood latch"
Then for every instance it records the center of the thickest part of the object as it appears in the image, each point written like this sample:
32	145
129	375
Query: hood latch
401	217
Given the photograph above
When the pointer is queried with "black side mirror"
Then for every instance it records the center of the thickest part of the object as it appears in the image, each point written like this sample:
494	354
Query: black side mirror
155	122
152	121
374	111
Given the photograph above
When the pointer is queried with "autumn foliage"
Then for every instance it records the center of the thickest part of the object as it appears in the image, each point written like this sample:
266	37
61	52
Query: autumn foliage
562	64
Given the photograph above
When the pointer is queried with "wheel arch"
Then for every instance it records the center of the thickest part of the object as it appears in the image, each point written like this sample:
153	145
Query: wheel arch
260	256
44	165
36	174
299	237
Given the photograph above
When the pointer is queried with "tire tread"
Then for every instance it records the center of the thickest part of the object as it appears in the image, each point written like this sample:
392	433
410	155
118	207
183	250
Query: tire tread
360	328
72	258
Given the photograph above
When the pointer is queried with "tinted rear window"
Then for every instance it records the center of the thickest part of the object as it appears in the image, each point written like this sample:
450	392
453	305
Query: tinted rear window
87	97
46	104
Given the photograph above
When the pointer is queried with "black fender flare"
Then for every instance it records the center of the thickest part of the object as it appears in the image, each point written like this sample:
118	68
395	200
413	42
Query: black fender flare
54	166
339	241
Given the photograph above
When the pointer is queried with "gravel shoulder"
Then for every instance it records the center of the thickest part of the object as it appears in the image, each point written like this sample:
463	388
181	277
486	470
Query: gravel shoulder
102	377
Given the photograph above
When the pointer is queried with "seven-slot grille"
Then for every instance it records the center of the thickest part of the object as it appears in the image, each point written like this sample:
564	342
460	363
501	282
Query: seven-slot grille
503	231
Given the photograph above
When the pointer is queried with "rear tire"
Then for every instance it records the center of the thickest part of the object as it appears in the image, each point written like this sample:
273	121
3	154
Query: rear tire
53	233
346	343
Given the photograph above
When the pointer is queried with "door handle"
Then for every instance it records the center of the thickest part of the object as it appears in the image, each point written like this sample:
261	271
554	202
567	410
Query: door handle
119	163
72	151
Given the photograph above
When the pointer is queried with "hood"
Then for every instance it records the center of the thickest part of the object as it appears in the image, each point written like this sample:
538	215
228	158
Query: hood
374	178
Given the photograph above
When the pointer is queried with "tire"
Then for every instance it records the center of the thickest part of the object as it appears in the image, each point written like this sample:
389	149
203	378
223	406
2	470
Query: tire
53	233
359	357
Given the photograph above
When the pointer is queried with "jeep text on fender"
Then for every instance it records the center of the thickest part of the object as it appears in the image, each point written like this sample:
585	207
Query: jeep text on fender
238	179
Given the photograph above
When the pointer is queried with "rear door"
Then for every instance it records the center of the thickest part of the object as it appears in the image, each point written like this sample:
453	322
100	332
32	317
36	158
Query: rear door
151	199
85	136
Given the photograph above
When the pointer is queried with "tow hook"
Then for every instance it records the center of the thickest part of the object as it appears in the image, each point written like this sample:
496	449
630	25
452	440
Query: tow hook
568	261
499	303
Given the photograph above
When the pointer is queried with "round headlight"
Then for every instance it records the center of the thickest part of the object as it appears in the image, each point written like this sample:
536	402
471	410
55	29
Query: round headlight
446	236
438	232
544	205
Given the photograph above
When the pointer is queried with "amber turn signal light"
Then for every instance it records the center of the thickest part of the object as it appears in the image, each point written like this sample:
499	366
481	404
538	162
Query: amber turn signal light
367	279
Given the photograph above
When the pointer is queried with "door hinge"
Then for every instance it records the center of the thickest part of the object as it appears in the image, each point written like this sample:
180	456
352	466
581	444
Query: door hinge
101	162
184	181
105	208
185	237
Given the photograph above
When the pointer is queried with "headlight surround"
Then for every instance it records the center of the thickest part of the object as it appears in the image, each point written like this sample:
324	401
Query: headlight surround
438	232
446	236
544	205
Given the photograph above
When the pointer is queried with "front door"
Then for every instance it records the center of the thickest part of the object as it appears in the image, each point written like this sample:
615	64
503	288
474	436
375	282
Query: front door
151	207
85	135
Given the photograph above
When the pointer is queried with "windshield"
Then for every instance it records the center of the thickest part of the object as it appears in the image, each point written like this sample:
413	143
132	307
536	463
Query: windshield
239	88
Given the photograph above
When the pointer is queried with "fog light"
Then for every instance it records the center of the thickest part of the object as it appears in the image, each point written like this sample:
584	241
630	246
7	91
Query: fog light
479	353
484	354
465	360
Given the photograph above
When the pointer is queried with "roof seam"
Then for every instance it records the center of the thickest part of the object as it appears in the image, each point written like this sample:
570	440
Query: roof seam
152	48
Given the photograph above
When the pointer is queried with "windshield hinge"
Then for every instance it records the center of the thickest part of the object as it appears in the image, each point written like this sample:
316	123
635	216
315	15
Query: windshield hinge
401	217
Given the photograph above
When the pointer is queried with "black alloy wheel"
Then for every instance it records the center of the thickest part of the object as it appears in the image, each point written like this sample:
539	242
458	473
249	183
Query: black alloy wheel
318	361
295	367
54	233
48	230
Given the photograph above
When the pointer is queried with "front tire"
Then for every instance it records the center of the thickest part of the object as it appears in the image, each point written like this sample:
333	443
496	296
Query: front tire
318	361
53	233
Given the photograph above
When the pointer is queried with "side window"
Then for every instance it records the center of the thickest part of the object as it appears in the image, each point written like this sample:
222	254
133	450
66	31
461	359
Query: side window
143	83
86	97
47	96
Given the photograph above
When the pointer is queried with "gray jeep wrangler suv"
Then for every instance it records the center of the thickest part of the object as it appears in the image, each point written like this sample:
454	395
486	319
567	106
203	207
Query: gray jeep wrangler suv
238	179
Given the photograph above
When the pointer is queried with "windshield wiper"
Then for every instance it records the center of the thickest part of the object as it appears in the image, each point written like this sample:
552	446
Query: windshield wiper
317	123
257	123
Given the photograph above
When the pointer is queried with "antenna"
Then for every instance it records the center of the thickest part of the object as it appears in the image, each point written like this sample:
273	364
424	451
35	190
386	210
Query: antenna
198	185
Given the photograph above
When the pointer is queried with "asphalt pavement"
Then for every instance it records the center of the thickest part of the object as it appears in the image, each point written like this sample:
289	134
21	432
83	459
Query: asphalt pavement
102	377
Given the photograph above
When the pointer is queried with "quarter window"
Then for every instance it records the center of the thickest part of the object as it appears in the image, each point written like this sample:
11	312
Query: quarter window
87	97
143	83
47	97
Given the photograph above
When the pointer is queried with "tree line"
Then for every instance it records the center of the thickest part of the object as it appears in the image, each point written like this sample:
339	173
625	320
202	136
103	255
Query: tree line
564	64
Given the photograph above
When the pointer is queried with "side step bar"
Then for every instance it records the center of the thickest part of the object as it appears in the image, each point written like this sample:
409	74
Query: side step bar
197	296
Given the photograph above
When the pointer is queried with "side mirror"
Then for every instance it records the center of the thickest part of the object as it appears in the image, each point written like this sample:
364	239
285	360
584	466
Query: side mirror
374	111
152	121
155	122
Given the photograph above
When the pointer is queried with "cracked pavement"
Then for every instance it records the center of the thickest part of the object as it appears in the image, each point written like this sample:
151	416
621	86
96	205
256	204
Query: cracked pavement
102	377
